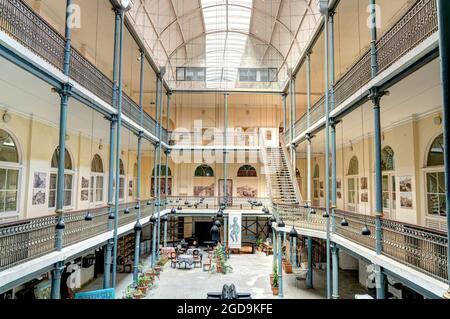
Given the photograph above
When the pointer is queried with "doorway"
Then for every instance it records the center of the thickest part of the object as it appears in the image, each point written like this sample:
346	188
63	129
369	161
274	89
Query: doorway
202	231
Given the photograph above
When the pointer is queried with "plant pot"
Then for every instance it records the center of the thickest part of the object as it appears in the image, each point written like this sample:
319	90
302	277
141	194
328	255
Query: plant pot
275	291
138	296
287	266
142	289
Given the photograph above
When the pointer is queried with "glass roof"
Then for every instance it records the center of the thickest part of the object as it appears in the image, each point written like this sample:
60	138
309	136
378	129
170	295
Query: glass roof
223	36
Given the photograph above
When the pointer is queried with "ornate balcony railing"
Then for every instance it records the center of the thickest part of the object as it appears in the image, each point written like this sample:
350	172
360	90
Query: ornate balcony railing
356	222
24	240
21	23
198	202
241	139
413	28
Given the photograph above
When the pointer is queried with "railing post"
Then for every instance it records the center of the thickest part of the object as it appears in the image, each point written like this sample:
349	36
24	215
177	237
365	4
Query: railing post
335	262
309	281
444	47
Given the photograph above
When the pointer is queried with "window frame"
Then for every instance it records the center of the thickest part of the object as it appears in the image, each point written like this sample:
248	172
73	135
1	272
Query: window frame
67	172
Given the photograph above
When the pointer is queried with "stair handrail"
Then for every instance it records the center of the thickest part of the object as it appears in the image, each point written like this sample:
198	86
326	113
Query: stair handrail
291	173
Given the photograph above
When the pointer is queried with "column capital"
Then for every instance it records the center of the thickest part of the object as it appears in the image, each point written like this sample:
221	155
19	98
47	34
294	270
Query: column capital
333	121
65	90
140	134
168	151
284	94
113	118
308	137
375	94
169	93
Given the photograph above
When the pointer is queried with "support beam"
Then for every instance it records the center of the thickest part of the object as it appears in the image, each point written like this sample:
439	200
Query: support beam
56	280
64	92
161	75
309	280
335	262
308	119
225	171
444	48
138	226
118	145
380	282
280	268
332	126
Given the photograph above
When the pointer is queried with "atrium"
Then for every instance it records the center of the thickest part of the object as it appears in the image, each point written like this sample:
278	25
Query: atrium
224	149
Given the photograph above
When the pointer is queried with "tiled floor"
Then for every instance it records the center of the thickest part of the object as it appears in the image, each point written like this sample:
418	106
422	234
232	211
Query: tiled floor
250	274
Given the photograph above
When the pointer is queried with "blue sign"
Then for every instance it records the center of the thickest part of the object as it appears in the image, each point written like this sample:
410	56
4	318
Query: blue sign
97	294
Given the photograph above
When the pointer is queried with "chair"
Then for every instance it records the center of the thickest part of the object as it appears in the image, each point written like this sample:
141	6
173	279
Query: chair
173	260
301	274
197	258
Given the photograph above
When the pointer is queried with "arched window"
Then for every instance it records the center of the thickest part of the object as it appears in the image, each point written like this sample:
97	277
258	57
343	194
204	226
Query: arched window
97	180
204	171
353	167
163	171
387	159
163	180
388	182
68	179
353	184
316	182
247	171
121	180
436	205
9	175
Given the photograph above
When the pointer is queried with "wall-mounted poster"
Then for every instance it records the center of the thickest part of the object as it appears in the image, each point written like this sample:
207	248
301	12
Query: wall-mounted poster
406	196
321	194
204	191
130	188
338	183
364	197
39	187
38	197
247	191
406	200
339	194
321	185
84	189
364	183
235	230
40	180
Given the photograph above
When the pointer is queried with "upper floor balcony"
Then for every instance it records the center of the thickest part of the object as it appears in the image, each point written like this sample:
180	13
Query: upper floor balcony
411	31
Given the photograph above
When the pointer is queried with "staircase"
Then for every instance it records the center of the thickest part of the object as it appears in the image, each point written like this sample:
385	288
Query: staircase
281	182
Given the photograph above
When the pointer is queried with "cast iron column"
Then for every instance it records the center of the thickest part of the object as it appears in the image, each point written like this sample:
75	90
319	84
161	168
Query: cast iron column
64	93
335	261
118	145
160	127
309	281
444	47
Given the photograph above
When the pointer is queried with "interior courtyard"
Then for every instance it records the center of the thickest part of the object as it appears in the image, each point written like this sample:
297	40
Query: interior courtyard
224	149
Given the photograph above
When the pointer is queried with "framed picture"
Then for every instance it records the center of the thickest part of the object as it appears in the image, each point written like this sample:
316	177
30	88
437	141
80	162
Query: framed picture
204	190
38	197
405	183
247	191
338	183
40	180
364	183
406	200
364	197
321	185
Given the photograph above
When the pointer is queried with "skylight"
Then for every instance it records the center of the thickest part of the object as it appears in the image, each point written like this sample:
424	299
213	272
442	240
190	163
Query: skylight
227	25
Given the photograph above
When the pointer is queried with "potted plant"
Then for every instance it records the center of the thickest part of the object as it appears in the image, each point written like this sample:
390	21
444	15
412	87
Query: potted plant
138	294
129	293
143	284
287	266
275	283
220	264
259	244
274	271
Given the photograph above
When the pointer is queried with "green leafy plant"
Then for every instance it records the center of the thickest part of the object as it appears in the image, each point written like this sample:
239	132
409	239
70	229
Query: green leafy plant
275	276
129	293
259	243
221	263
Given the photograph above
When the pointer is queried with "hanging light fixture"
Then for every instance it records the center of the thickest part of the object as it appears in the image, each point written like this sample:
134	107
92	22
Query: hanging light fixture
126	211
137	207
218	223
312	211
281	224
149	203
220	213
293	233
306	206
88	216
111	216
173	211
152	219
365	231
325	214
344	222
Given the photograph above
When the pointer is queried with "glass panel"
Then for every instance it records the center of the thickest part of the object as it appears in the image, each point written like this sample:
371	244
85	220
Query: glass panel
13	179
68	198
432	182
441	182
2	178
8	149
68	181
433	204
385	183
11	201
442	206
52	198
2	201
436	154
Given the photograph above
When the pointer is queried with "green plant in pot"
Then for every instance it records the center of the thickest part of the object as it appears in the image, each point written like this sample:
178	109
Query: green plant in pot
275	285
221	264
129	293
